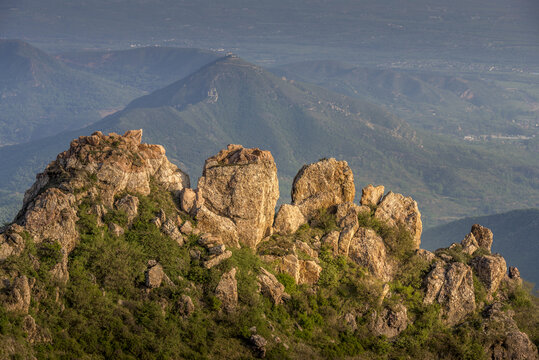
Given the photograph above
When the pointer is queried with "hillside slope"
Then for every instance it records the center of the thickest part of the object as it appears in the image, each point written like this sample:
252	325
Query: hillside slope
147	68
516	236
40	96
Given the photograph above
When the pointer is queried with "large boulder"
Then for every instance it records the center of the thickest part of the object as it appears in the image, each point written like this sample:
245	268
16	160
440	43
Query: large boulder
240	185
368	250
270	286
503	339
389	322
483	236
321	185
371	195
303	271
451	285
227	291
288	219
397	210
18	295
491	270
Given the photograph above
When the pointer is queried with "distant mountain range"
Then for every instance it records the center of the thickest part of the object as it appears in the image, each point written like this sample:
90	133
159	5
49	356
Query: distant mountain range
147	69
516	235
40	96
232	101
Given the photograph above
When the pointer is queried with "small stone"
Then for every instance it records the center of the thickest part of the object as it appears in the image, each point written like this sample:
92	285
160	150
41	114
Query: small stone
259	345
187	200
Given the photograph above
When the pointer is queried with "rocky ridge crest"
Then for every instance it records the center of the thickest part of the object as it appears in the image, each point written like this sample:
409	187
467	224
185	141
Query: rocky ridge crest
233	209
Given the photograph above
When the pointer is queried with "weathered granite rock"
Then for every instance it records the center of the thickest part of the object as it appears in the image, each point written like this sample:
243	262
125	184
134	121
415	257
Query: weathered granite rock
187	228
185	305
346	214
217	259
321	185
425	255
154	275
116	229
170	228
451	285
34	333
209	222
241	186
270	286
469	244
188	200
514	275
18	295
502	338
331	240
491	270
371	195
129	205
305	248
227	291
288	219
309	272
345	239
11	242
303	271
367	249
395	209
390	322
259	345
483	236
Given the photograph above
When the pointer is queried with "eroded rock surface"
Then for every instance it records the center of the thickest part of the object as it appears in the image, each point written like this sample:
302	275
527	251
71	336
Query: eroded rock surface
390	322
270	286
491	270
227	291
371	195
483	236
395	210
288	219
240	190
451	285
321	185
367	249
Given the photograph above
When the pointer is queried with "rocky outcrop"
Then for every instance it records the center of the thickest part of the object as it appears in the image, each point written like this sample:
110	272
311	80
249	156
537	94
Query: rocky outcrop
371	195
96	167
321	185
129	205
469	244
288	220
451	285
270	286
367	249
483	236
240	190
390	322
217	252
259	345
11	242
503	339
227	291
491	270
303	271
18	295
185	305
34	333
395	210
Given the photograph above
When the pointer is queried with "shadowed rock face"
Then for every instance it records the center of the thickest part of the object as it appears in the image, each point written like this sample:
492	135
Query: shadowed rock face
240	189
321	185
